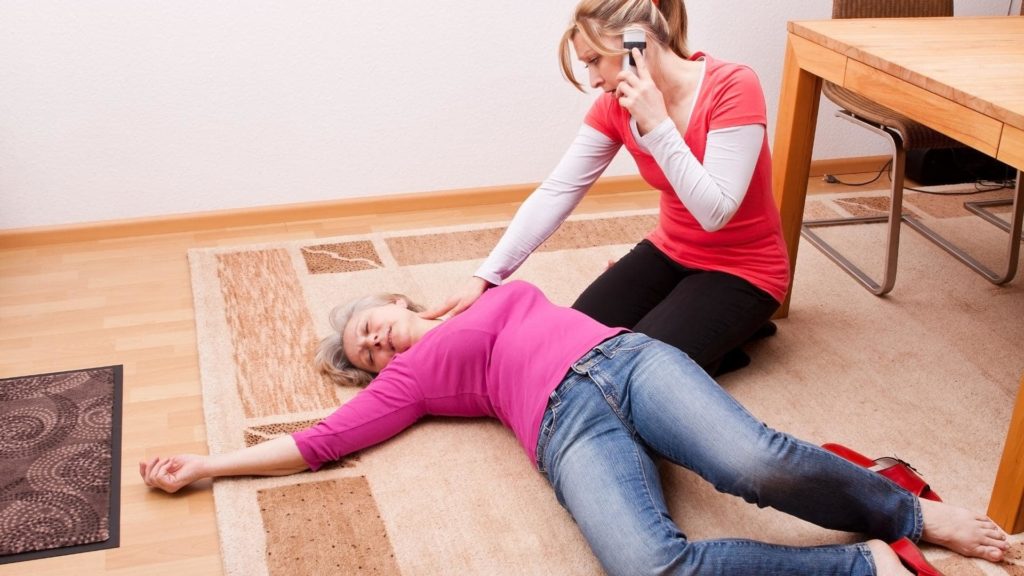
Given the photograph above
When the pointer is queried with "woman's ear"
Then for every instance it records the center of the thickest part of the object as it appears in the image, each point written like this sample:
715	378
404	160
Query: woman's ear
401	303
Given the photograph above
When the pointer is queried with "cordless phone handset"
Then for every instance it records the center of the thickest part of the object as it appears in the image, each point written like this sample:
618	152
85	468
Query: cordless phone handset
634	37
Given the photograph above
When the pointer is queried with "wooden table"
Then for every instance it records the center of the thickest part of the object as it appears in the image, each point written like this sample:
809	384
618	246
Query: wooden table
961	76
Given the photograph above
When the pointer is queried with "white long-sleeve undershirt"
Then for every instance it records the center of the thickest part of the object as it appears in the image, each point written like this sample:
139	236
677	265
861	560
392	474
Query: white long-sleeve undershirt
712	192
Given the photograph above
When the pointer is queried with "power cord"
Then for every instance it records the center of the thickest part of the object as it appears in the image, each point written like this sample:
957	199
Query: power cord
831	179
980	185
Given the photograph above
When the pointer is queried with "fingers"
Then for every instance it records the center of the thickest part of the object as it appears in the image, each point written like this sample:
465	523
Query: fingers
439	311
462	305
641	64
453	307
156	468
624	78
146	468
470	292
159	473
628	79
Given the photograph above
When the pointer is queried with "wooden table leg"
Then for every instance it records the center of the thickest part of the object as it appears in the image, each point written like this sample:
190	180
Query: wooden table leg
1006	507
791	154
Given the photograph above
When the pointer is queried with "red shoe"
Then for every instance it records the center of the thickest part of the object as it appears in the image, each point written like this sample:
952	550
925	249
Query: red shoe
911	557
892	468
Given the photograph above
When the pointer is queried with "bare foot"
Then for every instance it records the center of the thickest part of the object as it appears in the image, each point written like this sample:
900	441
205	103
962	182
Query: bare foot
887	563
962	531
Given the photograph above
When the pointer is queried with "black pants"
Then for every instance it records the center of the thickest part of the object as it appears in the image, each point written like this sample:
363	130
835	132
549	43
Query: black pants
705	314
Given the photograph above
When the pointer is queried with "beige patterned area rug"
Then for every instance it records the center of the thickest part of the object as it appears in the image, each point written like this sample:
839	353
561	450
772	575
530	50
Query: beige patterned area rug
928	374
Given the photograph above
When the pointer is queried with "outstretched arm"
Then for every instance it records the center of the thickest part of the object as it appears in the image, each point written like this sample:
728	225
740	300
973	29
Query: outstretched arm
277	457
538	218
549	205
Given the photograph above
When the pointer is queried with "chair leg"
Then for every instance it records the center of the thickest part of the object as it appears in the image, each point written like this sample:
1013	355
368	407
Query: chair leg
892	238
978	207
1012	250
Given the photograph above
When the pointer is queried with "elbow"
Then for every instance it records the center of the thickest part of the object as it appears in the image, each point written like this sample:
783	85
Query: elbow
712	225
716	221
293	470
713	209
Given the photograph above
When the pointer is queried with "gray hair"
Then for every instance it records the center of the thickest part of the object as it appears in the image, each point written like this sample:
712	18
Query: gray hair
330	357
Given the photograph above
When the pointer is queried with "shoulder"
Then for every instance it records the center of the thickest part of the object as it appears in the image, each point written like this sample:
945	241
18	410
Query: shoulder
516	288
607	116
605	103
500	296
734	95
733	74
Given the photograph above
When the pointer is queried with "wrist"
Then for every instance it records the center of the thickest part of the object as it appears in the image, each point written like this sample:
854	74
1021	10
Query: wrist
657	129
209	466
484	283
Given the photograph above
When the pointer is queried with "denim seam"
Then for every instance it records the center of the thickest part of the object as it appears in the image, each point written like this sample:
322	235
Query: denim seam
865	553
918	520
671	527
618	344
545	437
596	377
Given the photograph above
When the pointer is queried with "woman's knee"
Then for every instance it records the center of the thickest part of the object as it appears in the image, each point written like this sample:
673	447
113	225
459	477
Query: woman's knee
644	558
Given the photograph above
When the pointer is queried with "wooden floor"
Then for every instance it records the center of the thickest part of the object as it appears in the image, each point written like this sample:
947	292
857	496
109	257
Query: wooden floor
129	302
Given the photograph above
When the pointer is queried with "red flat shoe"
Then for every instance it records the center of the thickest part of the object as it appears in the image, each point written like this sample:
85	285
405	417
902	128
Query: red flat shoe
892	468
911	557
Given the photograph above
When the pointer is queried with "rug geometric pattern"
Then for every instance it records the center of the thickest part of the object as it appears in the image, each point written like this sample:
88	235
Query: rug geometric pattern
459	496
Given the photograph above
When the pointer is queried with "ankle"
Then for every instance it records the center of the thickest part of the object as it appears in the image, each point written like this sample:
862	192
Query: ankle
887	563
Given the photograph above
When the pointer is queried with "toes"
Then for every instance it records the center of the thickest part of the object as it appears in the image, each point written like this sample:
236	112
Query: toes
995	537
986	552
992	554
998	543
990	525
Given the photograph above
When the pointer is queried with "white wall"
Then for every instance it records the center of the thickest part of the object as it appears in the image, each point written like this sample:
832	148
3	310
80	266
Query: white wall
114	109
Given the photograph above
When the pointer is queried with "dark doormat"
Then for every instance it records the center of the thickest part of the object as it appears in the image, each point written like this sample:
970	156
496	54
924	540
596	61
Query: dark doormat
60	463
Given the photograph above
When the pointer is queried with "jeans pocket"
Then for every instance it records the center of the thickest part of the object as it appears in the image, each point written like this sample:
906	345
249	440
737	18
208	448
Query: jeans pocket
624	343
547	429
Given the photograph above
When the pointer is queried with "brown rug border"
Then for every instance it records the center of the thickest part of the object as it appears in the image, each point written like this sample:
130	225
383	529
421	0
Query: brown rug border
227	489
114	510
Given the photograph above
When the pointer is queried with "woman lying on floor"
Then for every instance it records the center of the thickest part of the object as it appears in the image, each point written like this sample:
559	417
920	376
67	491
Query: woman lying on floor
592	406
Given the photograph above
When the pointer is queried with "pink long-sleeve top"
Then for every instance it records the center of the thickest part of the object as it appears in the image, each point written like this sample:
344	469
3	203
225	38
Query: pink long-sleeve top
500	358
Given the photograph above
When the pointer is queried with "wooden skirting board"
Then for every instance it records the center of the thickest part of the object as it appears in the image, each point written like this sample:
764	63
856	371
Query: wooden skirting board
193	222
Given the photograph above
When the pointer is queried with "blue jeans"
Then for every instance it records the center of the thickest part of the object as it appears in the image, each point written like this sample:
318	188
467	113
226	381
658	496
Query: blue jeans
633	397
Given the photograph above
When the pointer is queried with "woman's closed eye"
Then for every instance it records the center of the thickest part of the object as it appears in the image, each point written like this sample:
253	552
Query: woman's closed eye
369	348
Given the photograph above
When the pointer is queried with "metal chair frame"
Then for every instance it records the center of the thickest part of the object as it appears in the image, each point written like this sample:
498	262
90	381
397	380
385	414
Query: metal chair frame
893	219
1012	250
895	216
